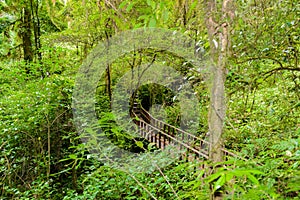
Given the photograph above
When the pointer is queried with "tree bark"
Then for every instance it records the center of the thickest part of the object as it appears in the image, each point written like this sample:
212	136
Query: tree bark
218	32
108	85
36	28
26	35
108	75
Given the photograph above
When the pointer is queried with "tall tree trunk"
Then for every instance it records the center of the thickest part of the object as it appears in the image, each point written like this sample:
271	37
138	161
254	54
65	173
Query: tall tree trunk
36	28
26	35
108	75
218	32
108	85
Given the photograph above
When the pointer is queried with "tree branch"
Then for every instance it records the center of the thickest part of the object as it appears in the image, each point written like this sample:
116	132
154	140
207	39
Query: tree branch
261	58
270	72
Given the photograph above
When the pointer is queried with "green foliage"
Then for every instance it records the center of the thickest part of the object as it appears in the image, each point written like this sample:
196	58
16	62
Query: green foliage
263	110
35	113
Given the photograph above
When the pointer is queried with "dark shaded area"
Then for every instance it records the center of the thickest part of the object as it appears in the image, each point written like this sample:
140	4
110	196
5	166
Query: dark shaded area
151	94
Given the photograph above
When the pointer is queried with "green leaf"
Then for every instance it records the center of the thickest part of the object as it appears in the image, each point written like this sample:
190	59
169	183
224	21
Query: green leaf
214	176
152	22
143	17
139	144
129	7
149	2
73	156
200	175
220	182
253	179
253	171
152	4
137	118
151	146
193	6
123	4
165	15
229	176
260	80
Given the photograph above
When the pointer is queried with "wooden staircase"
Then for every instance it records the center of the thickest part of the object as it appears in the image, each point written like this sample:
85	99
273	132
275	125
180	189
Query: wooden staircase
163	134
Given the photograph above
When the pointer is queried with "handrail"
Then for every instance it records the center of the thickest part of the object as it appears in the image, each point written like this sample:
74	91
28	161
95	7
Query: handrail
174	139
147	118
179	130
143	124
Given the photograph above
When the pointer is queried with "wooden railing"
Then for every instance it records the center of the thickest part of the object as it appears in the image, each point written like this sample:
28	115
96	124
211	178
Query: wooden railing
163	134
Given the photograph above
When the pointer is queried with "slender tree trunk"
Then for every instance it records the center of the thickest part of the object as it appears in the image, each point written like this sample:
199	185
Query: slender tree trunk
37	31
218	32
108	76
108	85
36	28
26	35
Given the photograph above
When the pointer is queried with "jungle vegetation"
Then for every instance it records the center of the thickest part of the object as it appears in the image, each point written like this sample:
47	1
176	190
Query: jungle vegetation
254	46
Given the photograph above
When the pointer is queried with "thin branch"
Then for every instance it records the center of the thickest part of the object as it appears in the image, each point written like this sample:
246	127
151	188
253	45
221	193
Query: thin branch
2	145
149	65
270	72
58	116
280	69
166	180
260	58
161	172
107	2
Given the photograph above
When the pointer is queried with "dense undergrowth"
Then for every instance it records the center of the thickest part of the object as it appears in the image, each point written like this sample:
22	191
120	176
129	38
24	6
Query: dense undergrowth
36	115
43	156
